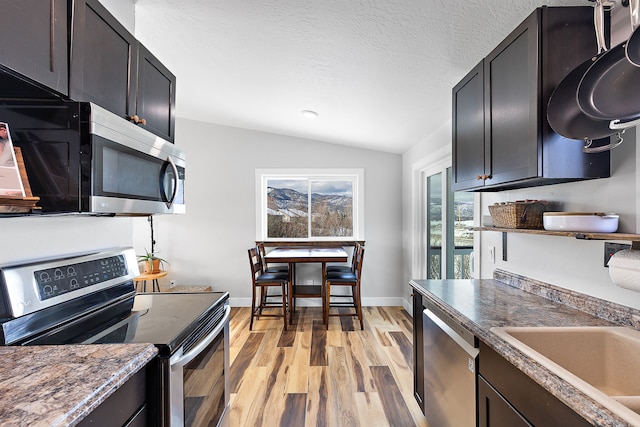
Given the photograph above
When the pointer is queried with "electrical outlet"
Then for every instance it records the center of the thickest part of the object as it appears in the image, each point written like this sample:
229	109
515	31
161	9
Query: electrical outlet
310	282
612	248
492	254
172	283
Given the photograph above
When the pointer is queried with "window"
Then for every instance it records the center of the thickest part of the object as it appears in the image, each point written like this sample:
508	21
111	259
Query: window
309	205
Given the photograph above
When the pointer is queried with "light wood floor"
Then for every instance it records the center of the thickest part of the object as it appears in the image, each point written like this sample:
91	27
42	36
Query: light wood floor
308	376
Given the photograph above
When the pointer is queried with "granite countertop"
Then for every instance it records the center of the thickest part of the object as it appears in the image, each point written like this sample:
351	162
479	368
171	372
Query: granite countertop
60	385
512	300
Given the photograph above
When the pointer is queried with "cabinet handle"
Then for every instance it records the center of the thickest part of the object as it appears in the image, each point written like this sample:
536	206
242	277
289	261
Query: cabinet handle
137	120
52	34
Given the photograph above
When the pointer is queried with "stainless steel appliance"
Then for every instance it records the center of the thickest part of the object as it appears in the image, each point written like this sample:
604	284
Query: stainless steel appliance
450	360
82	158
90	299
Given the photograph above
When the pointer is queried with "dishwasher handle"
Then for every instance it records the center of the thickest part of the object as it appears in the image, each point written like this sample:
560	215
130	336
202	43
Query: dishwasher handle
462	343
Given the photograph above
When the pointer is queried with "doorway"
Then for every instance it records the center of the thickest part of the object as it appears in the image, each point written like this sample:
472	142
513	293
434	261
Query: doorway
449	242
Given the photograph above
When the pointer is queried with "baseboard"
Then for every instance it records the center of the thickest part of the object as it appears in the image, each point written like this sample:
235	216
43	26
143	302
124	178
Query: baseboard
315	302
408	306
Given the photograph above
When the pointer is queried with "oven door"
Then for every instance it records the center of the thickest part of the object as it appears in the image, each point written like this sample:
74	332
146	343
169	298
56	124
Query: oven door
199	389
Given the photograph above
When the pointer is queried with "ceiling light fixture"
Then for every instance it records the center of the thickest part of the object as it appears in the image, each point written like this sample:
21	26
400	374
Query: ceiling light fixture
309	114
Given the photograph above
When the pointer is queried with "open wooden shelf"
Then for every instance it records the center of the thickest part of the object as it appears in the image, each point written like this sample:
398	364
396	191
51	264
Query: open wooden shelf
577	235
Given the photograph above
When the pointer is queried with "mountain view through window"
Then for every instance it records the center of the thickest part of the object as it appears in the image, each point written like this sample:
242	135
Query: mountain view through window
303	208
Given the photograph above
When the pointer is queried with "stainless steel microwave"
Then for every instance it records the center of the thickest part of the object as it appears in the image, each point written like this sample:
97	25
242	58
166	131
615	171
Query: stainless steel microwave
82	158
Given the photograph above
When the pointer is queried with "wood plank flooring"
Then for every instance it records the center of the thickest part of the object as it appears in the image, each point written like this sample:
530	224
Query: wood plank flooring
309	376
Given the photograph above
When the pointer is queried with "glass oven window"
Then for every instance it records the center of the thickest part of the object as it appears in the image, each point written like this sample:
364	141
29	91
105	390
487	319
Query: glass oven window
204	383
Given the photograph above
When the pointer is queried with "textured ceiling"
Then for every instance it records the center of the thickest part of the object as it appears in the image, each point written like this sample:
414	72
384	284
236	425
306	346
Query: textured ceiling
378	72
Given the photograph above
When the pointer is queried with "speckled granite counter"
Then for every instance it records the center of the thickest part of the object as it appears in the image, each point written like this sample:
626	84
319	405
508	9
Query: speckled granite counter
60	385
512	300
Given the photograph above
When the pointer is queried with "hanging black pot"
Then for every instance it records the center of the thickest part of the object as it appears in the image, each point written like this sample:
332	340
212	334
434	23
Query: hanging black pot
563	111
632	49
565	116
610	88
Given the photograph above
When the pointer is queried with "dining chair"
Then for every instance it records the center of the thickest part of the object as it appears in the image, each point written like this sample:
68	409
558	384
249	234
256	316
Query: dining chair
340	279
261	281
274	268
346	268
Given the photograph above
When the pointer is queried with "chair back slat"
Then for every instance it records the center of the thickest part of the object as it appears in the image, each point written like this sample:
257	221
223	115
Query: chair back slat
354	257
261	253
359	260
256	264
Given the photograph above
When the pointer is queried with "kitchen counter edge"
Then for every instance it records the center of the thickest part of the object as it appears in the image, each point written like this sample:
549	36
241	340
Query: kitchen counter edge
61	385
512	300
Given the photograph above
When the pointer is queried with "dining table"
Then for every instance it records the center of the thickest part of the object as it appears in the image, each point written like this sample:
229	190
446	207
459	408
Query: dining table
295	255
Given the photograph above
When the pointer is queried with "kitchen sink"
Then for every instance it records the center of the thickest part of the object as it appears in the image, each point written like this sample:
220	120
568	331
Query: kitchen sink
601	361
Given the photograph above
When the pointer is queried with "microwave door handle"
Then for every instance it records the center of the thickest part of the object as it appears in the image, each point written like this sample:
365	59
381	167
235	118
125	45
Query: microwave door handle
169	201
186	358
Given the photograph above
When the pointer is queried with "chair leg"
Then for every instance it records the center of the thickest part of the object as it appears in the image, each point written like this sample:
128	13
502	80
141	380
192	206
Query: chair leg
284	303
291	298
253	308
359	306
326	301
263	299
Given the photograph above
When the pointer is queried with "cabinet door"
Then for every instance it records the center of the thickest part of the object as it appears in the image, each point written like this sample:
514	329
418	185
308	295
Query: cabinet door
103	59
156	98
535	403
125	407
511	105
34	41
469	155
494	411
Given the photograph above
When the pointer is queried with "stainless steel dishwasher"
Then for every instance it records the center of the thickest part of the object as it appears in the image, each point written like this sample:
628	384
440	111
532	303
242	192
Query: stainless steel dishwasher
450	361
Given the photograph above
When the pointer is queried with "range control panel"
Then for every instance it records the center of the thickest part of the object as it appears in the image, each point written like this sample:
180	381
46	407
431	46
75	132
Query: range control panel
59	280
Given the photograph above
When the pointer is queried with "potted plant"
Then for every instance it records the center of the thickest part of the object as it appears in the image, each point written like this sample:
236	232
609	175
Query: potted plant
152	262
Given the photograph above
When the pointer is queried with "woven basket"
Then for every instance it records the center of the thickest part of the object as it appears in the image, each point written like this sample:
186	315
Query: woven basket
518	214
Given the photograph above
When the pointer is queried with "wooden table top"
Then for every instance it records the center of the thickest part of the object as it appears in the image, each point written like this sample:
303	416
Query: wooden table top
150	276
307	255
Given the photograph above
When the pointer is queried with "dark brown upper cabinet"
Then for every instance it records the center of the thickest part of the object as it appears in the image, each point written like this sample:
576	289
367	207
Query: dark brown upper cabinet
501	135
33	51
112	69
103	59
156	97
469	152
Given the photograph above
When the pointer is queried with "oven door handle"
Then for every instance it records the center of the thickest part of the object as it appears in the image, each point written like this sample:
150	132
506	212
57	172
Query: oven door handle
186	358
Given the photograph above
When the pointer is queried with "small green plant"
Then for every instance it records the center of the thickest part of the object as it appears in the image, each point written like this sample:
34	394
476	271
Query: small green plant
152	262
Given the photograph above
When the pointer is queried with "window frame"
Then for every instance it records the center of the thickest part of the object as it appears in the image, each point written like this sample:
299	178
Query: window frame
354	175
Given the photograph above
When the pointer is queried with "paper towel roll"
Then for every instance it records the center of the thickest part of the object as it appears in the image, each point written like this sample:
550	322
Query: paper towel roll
624	269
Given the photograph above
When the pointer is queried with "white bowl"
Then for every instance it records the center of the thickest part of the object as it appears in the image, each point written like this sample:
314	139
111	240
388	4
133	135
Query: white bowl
587	222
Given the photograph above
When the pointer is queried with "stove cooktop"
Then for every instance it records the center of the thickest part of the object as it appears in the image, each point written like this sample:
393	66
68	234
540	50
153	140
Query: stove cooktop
164	320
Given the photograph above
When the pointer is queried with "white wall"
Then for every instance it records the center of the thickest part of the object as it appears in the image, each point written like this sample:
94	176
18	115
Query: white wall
208	245
123	11
36	237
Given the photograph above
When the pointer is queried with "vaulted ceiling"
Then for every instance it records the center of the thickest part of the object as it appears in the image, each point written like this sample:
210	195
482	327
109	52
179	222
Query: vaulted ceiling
378	72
